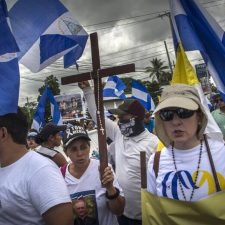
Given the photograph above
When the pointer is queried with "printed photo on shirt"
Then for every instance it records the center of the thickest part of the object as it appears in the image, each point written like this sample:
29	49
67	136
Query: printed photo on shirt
85	208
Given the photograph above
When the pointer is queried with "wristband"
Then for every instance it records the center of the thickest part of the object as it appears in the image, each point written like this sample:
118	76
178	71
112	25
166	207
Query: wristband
111	197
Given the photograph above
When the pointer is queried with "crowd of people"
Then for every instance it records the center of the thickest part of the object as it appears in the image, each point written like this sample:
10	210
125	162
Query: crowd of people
40	185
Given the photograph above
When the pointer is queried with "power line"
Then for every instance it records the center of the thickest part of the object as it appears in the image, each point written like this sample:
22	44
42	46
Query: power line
121	19
126	24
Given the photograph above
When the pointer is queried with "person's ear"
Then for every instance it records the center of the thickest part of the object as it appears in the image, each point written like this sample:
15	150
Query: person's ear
3	133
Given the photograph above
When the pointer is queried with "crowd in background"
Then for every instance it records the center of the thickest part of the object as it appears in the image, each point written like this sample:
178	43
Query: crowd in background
68	182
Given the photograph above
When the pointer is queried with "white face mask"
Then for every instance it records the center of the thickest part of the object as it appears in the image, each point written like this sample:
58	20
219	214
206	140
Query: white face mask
131	127
126	126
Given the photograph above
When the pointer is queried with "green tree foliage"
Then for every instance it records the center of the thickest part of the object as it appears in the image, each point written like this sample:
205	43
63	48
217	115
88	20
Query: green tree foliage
53	85
127	81
158	71
154	89
29	110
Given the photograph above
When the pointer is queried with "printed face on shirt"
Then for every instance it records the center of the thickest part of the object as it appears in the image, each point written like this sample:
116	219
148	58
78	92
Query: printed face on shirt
85	207
80	208
78	152
183	132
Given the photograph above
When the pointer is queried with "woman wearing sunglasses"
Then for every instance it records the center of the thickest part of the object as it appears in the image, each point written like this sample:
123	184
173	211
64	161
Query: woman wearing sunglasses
178	171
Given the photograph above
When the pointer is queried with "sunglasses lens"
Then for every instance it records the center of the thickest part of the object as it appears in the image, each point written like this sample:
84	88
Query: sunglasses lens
184	113
166	115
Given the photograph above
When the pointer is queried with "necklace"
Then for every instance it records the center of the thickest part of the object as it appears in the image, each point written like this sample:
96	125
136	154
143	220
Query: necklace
196	176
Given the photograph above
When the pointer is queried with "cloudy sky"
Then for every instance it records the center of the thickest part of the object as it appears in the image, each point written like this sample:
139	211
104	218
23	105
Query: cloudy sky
129	31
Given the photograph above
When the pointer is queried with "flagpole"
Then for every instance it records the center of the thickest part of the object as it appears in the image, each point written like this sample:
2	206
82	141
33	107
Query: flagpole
170	21
168	57
28	109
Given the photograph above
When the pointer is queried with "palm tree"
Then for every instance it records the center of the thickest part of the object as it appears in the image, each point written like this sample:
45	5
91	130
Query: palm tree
157	70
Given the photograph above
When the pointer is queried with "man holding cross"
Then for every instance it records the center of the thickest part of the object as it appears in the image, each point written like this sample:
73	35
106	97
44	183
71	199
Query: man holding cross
130	139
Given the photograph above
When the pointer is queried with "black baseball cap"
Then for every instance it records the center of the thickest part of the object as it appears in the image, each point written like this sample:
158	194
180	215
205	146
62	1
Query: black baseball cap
130	106
73	133
49	129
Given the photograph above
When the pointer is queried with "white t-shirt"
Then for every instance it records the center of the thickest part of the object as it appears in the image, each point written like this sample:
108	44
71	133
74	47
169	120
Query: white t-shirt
89	186
28	188
127	158
167	184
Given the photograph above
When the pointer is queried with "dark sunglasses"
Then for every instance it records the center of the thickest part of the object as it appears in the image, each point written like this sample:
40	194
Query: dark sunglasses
168	114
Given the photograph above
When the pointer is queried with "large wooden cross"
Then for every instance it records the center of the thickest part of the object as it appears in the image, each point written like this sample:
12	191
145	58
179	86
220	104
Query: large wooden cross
96	74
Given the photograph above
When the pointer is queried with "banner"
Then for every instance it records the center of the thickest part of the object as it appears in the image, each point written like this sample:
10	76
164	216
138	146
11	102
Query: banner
165	211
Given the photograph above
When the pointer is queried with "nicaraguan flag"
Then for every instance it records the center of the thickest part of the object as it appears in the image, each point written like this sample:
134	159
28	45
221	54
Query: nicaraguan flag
55	113
9	69
197	30
114	87
39	115
141	93
45	31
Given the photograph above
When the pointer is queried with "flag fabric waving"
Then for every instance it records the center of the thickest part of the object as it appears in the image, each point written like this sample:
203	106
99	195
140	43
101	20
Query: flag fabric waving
39	115
141	93
197	30
9	69
114	87
45	31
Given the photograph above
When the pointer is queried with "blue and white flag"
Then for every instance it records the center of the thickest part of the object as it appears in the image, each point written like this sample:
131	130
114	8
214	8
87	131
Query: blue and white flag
114	87
208	103
141	93
55	112
39	115
45	31
9	69
197	30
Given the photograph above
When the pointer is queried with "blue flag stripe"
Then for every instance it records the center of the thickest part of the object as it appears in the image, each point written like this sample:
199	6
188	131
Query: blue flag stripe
114	88
196	33
141	93
41	17
9	68
58	44
39	115
5	33
9	90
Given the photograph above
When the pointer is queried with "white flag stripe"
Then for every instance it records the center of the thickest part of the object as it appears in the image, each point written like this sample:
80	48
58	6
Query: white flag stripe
152	105
110	85
118	93
8	57
140	94
58	26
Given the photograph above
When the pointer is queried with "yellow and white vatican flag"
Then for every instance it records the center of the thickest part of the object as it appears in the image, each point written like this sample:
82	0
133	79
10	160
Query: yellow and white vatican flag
184	74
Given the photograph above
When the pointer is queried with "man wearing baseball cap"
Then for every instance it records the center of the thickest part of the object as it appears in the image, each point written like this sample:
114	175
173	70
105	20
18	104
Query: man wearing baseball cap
130	139
49	138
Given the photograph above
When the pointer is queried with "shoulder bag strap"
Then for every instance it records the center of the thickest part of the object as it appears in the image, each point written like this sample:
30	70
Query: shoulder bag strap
217	184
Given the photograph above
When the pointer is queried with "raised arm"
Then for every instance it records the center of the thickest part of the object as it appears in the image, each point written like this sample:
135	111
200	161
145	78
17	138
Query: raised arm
111	127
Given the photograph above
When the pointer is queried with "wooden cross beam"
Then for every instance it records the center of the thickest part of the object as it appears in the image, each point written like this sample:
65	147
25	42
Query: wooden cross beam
96	74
